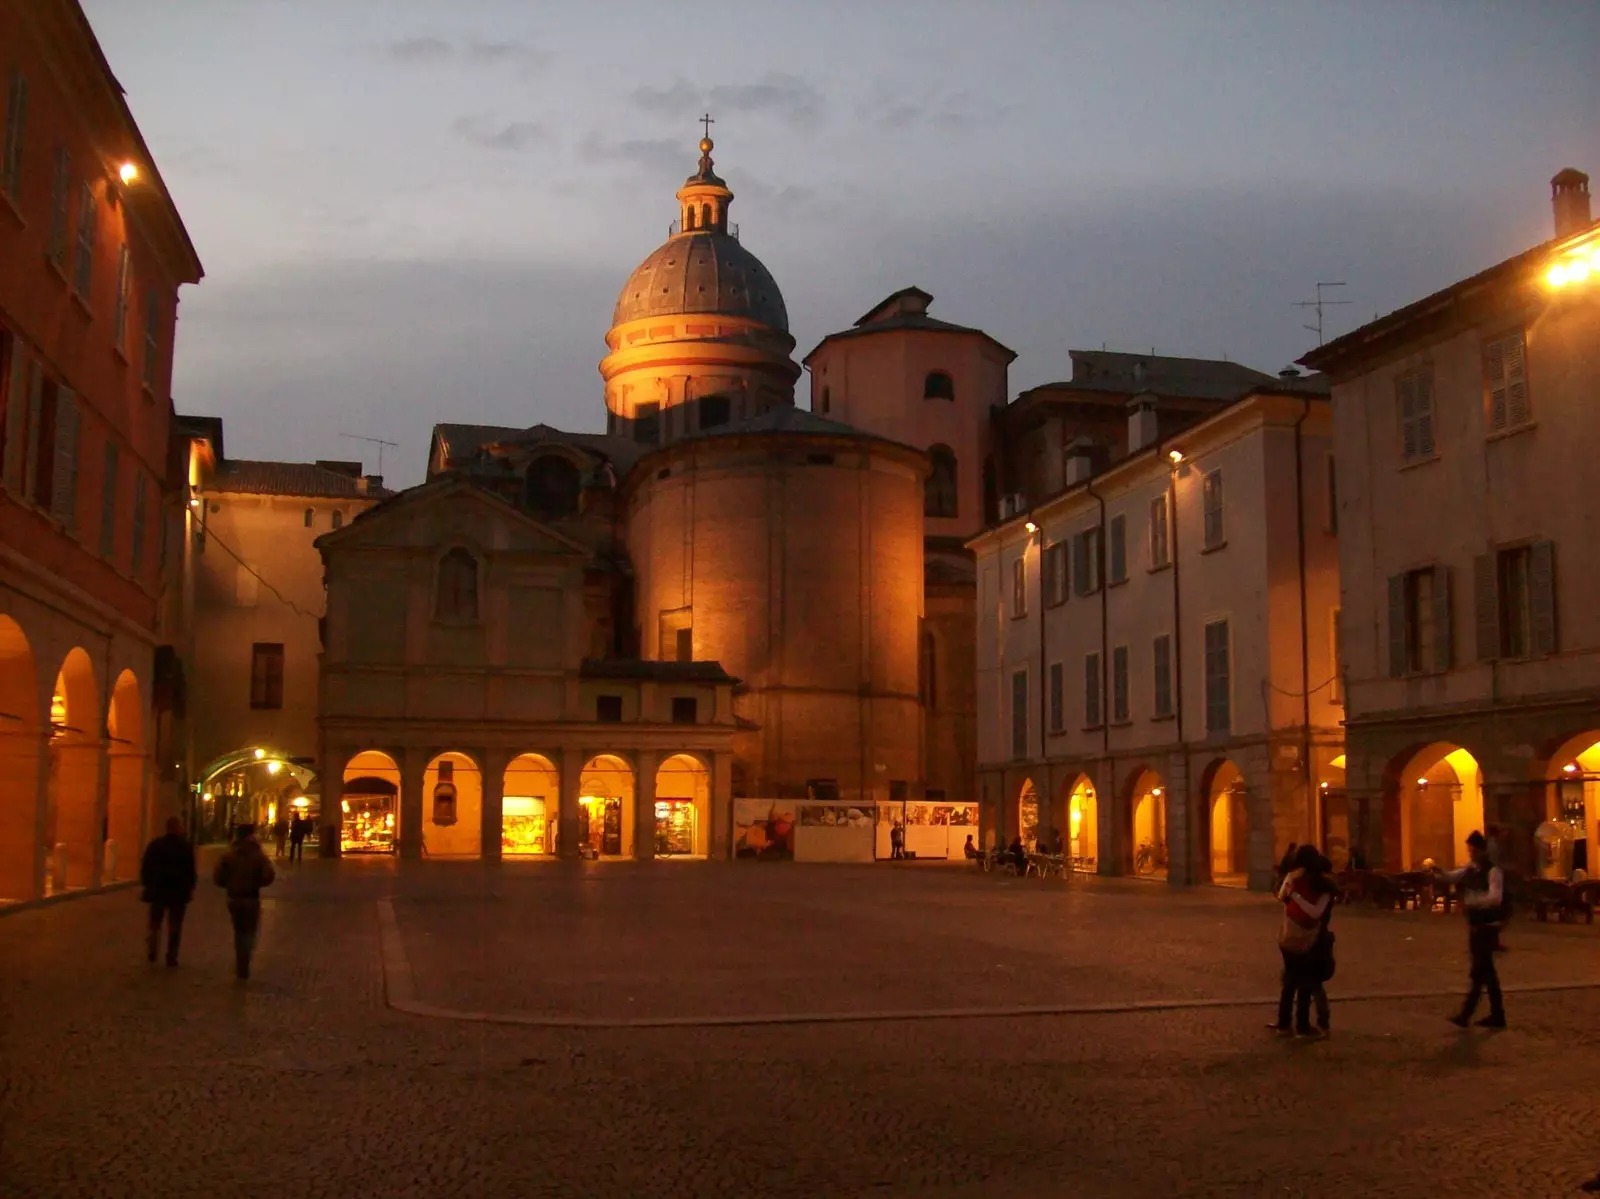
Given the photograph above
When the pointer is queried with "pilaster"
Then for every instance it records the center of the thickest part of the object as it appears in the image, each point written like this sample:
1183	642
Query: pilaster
644	804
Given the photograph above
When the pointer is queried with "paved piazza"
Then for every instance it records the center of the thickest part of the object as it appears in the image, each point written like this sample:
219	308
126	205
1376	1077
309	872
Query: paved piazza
694	1029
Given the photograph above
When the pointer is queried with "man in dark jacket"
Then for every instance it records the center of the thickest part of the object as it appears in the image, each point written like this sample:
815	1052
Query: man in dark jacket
167	874
299	830
242	872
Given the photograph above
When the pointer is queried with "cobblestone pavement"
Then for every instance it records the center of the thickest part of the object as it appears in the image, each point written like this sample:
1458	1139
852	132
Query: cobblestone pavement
121	1079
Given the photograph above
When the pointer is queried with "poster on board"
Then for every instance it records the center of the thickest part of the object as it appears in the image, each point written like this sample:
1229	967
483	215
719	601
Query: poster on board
763	829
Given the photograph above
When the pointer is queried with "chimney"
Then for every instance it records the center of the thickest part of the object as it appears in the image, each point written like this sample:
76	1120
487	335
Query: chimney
1142	427
1078	460
1569	196
371	484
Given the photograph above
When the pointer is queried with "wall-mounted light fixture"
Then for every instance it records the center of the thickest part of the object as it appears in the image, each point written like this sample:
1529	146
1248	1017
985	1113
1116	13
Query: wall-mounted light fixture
127	172
1176	456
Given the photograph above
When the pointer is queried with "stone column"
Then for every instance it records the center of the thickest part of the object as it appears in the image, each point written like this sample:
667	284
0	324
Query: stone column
24	795
718	839
413	805
493	764
1111	820
331	775
644	804
1183	834
572	760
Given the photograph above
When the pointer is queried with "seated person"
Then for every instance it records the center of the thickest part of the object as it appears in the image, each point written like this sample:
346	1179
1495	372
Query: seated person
1018	854
969	849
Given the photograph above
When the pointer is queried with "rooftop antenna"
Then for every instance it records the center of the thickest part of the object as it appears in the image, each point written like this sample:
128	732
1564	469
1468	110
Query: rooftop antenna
1319	304
377	441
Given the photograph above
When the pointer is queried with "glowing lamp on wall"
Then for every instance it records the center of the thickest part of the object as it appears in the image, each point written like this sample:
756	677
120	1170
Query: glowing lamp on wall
1175	456
1571	768
1031	527
1422	782
127	172
1575	267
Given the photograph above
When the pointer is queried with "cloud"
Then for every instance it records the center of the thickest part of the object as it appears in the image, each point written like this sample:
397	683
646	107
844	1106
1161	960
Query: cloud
656	155
490	135
430	50
788	98
419	49
906	108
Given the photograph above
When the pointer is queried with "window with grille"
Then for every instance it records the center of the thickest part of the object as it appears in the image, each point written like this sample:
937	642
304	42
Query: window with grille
1159	556
266	675
1119	549
1161	666
1092	717
87	218
1413	394
1211	502
1219	678
1505	375
1019	714
16	122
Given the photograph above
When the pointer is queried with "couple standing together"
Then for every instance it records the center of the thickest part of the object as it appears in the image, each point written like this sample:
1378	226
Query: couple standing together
168	875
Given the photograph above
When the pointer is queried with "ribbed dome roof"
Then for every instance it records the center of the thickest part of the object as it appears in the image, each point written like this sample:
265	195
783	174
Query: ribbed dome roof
703	271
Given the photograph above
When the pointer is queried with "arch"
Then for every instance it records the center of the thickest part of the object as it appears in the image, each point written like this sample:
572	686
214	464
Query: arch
552	485
1439	792
705	216
683	807
1028	814
125	786
1148	844
21	723
74	826
1572	796
370	803
939	497
1083	825
1227	827
251	785
605	807
310	517
452	806
938	385
530	804
456	586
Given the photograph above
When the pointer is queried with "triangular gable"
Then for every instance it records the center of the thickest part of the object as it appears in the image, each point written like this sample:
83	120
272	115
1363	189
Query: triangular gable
446	490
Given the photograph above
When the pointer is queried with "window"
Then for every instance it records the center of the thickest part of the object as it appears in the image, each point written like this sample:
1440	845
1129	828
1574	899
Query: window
1119	549
1505	380
685	709
938	386
1058	688
608	709
338	519
152	338
1161	666
16	120
266	675
311	517
87	216
552	486
1219	683
1211	502
1091	691
108	503
1019	714
683	644
1336	658
1516	602
928	670
1119	684
820	459
940	497
1419	621
1055	574
1158	532
1019	588
647	424
823	789
826	401
136	537
714	411
458	586
60	198
1413	397
119	328
1086	562
1331	517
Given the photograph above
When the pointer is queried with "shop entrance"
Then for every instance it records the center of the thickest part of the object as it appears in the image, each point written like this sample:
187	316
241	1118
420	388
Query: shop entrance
600	825
683	795
531	793
370	803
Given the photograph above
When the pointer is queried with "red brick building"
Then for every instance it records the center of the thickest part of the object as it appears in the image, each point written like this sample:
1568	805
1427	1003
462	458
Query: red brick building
92	253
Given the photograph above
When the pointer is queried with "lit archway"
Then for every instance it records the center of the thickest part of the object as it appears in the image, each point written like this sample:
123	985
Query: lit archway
1028	815
1441	802
1083	826
369	804
683	807
255	785
1343	822
605	807
126	774
1573	796
1147	807
452	807
74	828
530	807
1229	826
21	738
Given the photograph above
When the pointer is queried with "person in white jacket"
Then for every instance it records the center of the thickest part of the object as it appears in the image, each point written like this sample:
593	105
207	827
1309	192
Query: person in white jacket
1483	899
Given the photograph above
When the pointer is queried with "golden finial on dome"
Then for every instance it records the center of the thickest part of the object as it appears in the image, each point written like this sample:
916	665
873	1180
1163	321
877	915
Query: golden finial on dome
706	145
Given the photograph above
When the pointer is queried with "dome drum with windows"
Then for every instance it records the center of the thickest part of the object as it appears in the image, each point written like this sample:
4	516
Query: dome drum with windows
700	319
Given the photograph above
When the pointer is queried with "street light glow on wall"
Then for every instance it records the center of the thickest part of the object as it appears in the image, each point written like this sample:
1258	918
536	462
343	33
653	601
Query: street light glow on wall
1176	456
1575	267
127	172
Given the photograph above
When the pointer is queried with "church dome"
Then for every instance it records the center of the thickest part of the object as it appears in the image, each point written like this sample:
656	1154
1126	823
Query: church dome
706	270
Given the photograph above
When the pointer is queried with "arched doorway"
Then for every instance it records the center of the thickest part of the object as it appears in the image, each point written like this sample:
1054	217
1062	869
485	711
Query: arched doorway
1441	802
369	804
452	807
1572	779
1083	826
1229	826
73	827
21	739
1028	815
683	807
254	785
126	774
1343	822
605	807
530	807
1147	806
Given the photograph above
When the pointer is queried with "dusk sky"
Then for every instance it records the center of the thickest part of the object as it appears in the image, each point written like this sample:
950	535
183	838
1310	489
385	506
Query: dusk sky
413	211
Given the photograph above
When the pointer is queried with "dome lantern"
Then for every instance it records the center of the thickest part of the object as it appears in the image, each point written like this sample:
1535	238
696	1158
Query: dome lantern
704	198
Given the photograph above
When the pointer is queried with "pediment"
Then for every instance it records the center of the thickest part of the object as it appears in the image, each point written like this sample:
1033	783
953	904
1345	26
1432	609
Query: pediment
450	512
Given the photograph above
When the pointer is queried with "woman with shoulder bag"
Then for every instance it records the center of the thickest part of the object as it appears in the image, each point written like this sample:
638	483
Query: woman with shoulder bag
1306	898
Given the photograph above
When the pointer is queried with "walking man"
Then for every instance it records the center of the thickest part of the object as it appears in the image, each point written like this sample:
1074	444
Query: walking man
298	832
1483	900
242	872
280	833
167	874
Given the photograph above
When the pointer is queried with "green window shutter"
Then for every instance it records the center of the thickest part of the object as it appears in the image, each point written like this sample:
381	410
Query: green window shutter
64	475
1485	596
1443	637
1397	626
1542	591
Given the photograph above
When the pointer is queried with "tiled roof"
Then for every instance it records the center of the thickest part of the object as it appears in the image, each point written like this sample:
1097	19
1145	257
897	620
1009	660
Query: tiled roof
1197	378
249	477
461	442
919	322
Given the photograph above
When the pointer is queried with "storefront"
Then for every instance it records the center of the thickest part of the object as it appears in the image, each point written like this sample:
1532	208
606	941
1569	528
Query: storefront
600	825
524	826
369	815
675	827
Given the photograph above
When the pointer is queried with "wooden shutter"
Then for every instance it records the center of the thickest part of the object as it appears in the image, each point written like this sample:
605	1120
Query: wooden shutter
1163	672
1425	414
1485	596
1494	375
1080	563
1397	626
1516	379
1443	643
1542	593
30	450
64	472
1405	399
1119	548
